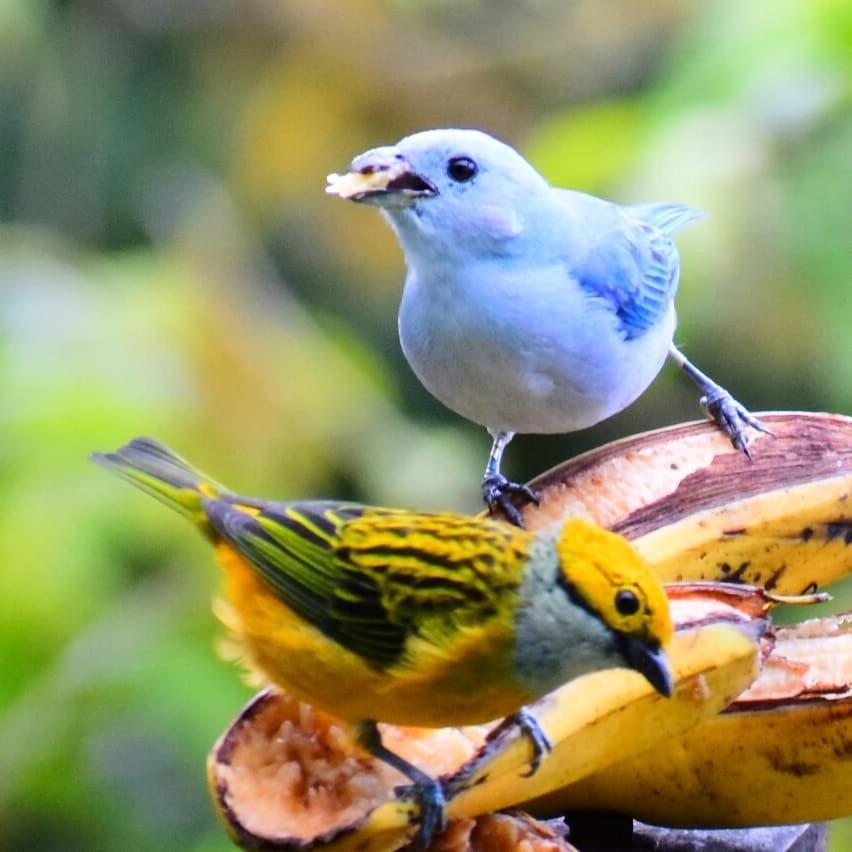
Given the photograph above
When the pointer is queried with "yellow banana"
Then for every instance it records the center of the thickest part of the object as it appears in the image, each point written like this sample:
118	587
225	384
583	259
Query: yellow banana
586	720
782	753
698	510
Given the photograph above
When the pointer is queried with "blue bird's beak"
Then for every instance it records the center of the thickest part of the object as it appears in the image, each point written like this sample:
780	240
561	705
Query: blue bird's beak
650	662
383	177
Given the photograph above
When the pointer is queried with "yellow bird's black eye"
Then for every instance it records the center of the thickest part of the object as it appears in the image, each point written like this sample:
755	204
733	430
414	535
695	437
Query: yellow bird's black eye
461	169
626	602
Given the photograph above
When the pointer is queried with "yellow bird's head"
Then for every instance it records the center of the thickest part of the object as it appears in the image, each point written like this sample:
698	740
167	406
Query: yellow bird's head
590	601
610	577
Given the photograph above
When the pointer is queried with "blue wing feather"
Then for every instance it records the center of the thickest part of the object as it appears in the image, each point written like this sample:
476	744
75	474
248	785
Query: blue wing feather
666	217
628	257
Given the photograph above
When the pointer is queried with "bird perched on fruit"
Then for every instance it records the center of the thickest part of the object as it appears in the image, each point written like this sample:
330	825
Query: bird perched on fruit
382	615
527	308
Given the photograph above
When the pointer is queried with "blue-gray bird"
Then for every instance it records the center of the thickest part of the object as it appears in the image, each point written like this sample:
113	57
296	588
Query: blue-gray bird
527	308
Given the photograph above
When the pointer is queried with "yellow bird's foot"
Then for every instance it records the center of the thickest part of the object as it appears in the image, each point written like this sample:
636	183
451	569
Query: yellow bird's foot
497	492
429	797
425	791
524	720
530	728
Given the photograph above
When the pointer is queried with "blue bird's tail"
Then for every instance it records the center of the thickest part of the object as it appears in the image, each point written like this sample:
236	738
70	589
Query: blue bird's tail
666	217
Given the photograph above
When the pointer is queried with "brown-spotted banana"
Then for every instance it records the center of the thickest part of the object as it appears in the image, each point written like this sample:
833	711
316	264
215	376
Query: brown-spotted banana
699	510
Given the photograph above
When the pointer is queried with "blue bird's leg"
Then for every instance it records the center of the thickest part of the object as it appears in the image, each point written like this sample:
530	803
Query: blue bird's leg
497	491
424	790
731	416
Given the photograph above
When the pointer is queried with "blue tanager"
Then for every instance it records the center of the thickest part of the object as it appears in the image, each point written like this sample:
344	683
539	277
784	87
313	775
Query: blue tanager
528	308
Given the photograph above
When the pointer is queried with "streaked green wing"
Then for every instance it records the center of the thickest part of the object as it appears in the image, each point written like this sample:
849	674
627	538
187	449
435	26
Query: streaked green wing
371	578
439	574
296	549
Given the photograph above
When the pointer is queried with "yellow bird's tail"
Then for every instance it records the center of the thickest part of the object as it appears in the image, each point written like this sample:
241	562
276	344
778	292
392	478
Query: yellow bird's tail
163	474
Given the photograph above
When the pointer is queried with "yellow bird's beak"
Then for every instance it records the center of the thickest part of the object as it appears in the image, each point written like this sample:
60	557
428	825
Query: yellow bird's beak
650	662
381	176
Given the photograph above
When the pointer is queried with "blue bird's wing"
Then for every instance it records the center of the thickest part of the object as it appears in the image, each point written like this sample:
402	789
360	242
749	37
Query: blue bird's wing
631	261
666	217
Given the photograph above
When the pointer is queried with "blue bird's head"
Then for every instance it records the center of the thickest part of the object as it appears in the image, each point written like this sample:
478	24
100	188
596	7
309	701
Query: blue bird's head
449	192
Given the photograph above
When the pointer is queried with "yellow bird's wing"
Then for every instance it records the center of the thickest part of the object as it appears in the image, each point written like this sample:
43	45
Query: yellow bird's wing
439	574
370	579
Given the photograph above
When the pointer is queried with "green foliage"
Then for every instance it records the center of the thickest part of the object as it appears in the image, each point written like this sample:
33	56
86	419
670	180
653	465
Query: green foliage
169	265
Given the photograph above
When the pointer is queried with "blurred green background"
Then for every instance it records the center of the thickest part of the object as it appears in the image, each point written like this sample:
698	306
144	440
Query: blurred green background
170	265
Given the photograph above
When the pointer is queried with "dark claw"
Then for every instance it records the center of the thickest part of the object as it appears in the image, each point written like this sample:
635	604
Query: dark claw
431	802
497	492
732	418
530	728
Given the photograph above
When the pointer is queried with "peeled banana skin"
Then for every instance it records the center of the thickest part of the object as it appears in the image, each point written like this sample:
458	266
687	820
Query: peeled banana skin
785	765
698	511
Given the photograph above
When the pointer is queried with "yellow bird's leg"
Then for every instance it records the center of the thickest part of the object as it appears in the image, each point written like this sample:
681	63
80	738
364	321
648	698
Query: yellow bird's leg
524	720
425	790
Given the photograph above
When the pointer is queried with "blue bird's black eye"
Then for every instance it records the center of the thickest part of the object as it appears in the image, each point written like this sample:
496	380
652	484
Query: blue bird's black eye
626	602
461	169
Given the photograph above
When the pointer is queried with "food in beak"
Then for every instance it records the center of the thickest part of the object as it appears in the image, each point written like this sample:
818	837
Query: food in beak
379	179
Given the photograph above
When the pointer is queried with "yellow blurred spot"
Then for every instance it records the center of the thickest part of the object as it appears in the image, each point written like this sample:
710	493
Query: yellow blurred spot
299	126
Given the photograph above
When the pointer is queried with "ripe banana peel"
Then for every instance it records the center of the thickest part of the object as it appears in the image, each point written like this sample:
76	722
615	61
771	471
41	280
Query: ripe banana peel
698	510
781	753
285	776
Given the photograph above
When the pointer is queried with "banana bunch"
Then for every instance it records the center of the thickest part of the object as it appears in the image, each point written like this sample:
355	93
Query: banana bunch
756	707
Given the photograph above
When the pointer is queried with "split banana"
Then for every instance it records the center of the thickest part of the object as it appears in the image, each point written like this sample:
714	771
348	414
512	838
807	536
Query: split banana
698	510
285	776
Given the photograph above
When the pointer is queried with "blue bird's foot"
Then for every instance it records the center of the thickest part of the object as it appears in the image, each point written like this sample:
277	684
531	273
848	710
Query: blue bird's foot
731	417
526	722
431	803
497	492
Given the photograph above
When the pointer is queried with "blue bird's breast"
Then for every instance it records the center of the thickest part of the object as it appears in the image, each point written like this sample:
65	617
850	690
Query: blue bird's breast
525	348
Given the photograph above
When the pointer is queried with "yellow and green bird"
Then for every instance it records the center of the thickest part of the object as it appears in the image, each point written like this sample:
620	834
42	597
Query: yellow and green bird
384	615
